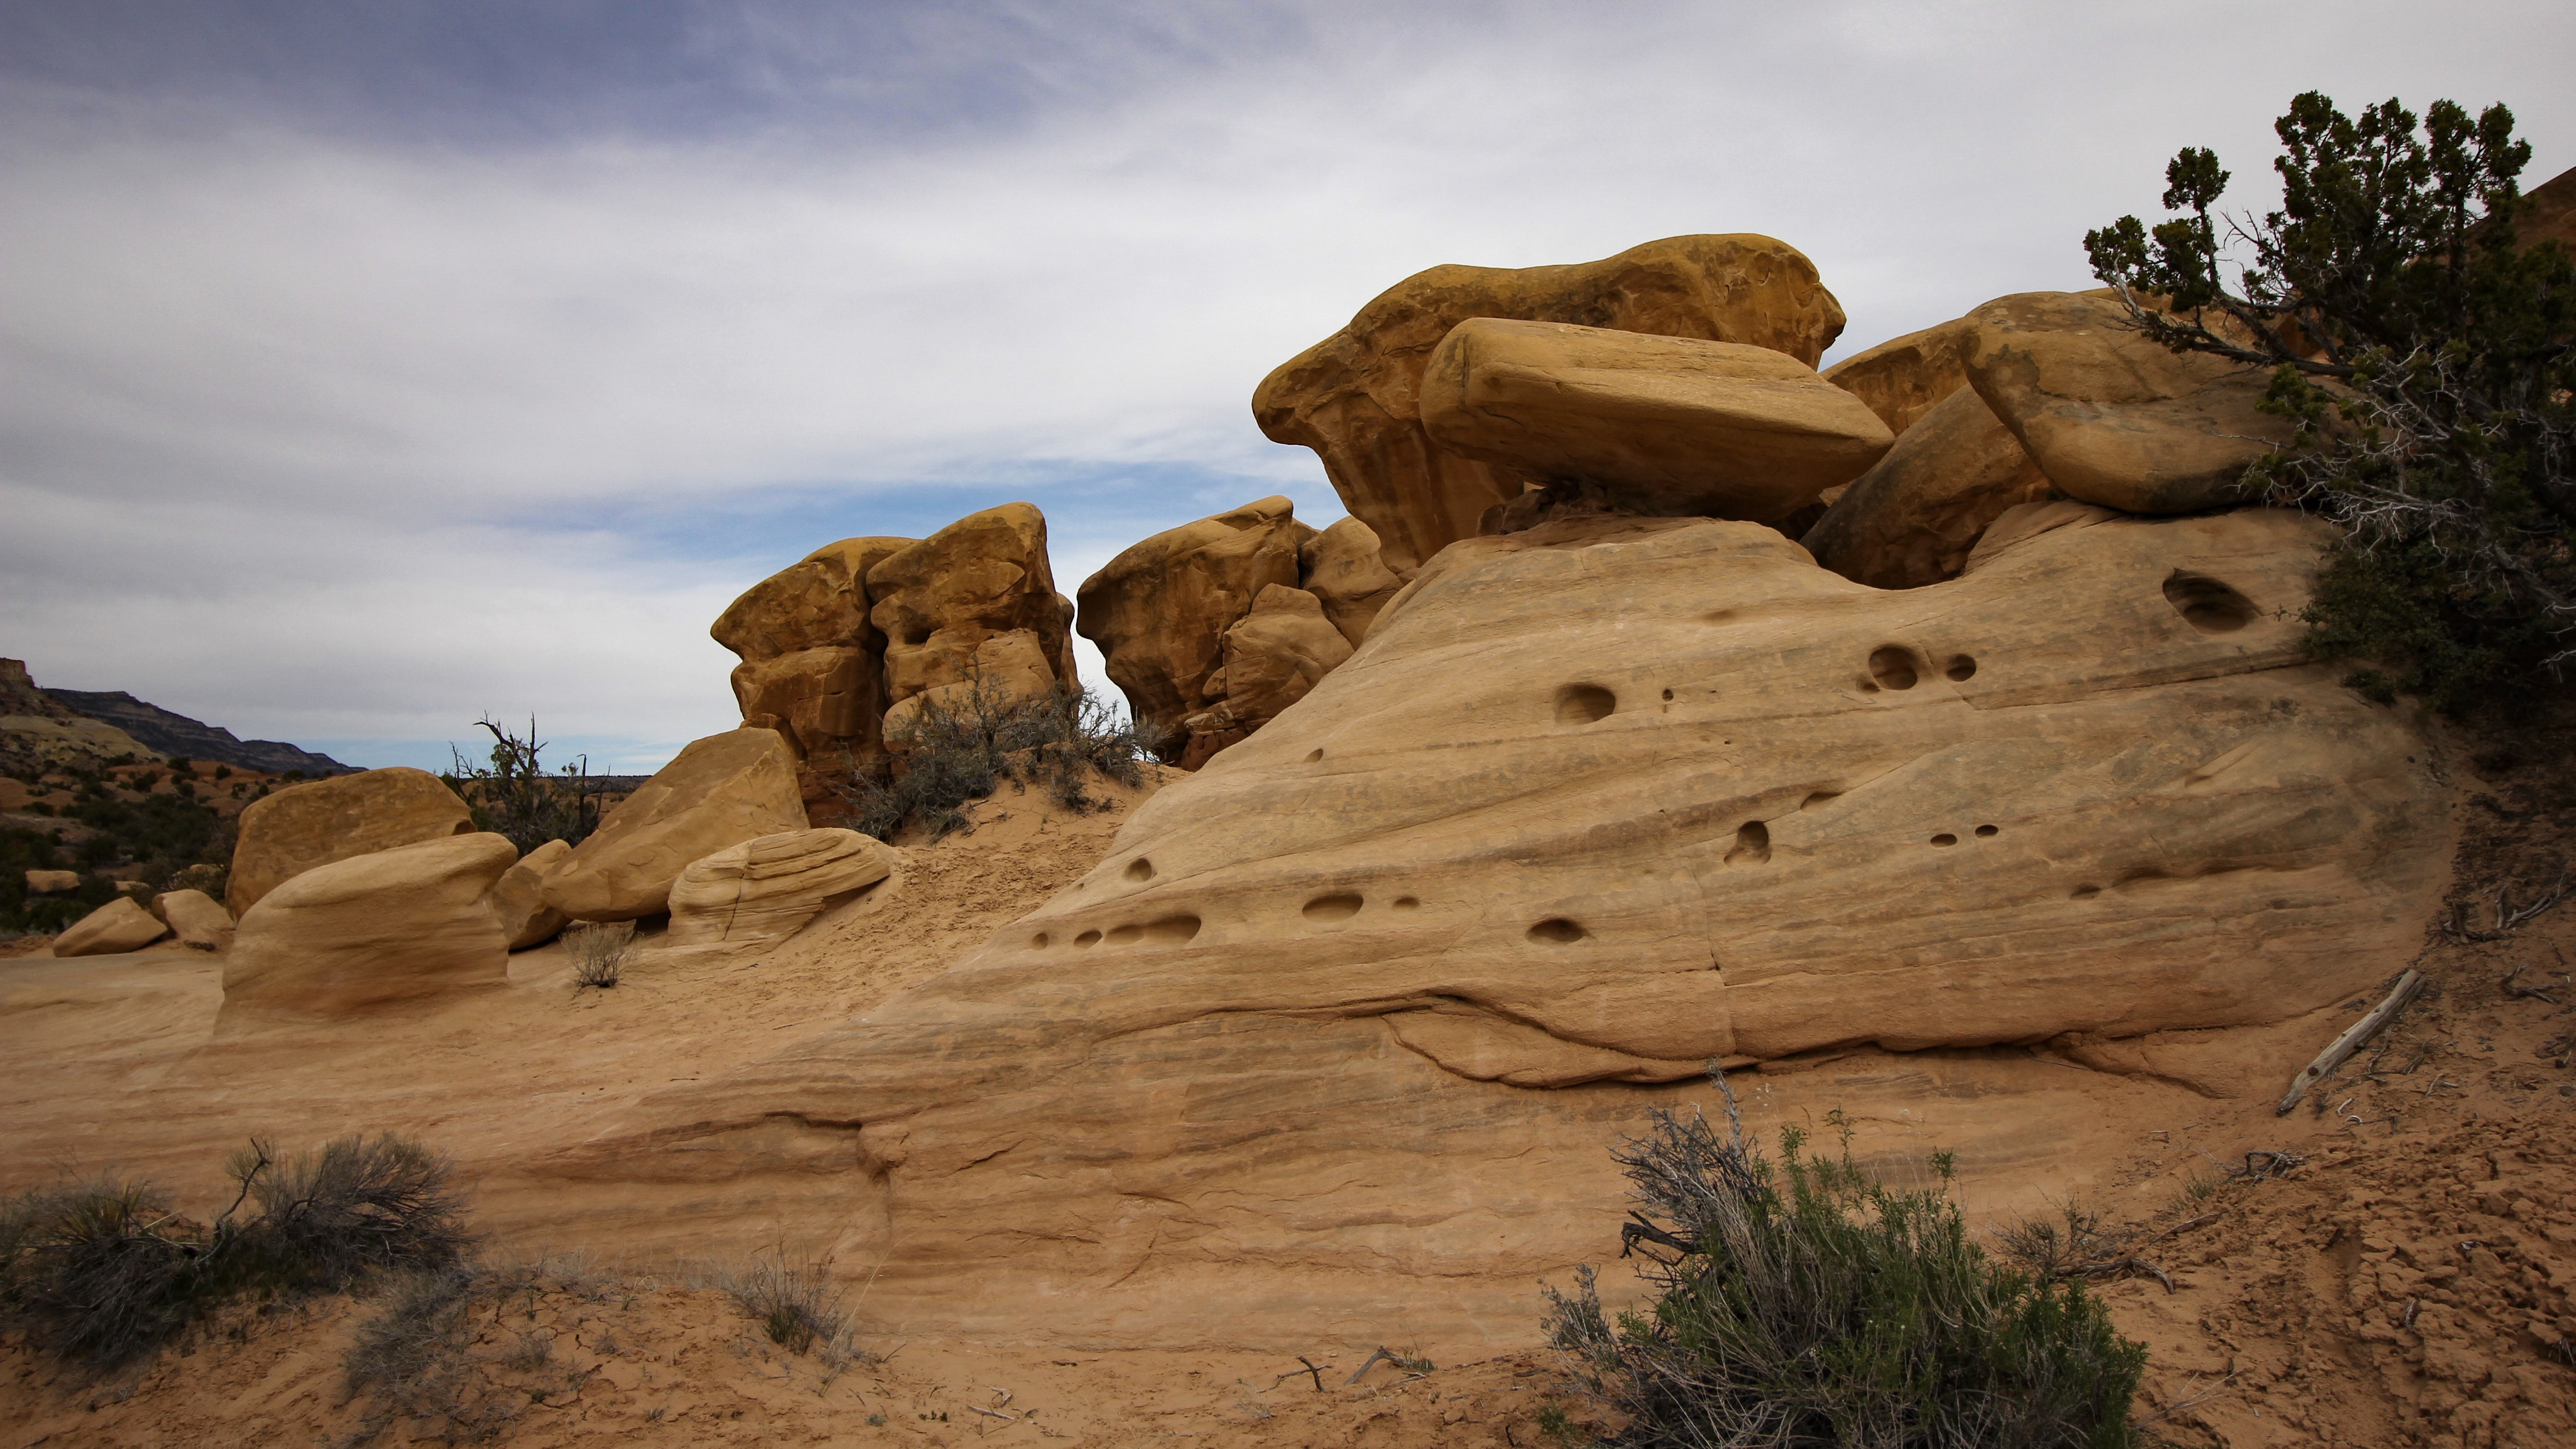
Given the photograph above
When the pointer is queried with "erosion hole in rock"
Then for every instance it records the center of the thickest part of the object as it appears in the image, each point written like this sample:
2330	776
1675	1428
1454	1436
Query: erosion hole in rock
1126	935
1945	838
1752	844
1894	667
1821	797
1172	930
1987	832
1556	930
1087	938
1340	906
2206	604
1668	694
1314	755
1406	903
1038	942
1960	669
1140	869
2085	893
1583	704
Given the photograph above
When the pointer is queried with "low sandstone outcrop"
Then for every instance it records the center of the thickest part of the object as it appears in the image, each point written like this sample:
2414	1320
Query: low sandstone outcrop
196	918
1160	609
938	600
1672	426
1596	803
306	826
2111	417
1354	397
52	882
1913	518
765	890
112	930
517	900
1342	568
1905	377
374	930
720	791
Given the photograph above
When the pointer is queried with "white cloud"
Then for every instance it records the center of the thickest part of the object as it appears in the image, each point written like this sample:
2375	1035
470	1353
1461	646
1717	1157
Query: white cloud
305	434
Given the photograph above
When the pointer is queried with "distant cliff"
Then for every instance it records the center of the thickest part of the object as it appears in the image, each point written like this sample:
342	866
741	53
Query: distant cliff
178	736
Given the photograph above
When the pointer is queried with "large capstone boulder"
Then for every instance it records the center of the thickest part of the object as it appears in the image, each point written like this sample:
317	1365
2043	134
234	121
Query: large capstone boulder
1676	426
721	790
375	930
938	600
1913	518
765	890
1355	397
1160	609
2113	418
113	929
313	824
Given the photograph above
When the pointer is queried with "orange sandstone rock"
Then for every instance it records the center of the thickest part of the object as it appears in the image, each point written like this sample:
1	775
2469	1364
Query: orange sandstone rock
111	930
373	930
985	574
720	791
766	889
313	824
1160	609
1912	519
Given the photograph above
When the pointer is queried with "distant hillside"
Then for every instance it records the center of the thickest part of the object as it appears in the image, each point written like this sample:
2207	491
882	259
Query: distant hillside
178	736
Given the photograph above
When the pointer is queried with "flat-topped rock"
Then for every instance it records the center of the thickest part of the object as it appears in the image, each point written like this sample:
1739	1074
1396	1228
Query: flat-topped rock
375	930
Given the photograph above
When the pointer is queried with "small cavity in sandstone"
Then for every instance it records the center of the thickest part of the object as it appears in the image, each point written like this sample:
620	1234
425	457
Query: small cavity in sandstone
1314	755
1337	907
1752	844
1583	704
1140	869
1961	669
1556	929
1945	838
1894	667
1172	930
1087	938
2206	604
1406	903
1039	941
1986	832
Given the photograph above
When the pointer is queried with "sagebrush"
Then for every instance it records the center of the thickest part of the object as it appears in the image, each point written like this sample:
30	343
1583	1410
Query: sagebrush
1809	1305
962	748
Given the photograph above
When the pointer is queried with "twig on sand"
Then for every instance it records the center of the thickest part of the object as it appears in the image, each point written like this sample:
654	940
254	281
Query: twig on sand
2508	916
2530	993
2338	1051
1310	1368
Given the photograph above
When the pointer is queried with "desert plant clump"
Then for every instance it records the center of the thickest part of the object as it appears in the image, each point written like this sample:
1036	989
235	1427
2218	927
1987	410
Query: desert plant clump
105	1270
598	952
795	1304
1809	1304
513	795
961	749
2426	357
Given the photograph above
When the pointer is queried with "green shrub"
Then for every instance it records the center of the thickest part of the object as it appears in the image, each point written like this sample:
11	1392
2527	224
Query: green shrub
512	795
104	1271
1812	1305
949	754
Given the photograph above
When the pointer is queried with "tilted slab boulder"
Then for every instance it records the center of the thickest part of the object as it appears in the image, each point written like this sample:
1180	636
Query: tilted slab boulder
1160	609
765	890
1912	519
1675	426
983	575
517	899
1342	568
1354	397
721	790
1596	802
375	930
196	918
1905	377
315	823
112	930
2111	417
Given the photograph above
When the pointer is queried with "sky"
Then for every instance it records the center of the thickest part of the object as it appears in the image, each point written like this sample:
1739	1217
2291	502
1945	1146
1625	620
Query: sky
369	366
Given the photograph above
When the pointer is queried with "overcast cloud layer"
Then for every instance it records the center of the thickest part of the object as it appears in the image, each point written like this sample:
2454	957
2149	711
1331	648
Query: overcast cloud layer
367	368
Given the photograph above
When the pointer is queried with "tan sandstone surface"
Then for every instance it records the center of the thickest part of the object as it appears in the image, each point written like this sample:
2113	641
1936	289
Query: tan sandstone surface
316	823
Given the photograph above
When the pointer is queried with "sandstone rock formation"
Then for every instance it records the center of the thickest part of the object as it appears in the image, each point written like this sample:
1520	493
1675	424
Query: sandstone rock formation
765	890
1595	802
52	882
938	600
1160	609
111	930
720	791
1674	426
2111	417
196	918
313	824
1274	655
1354	397
813	663
1342	569
517	899
1905	377
1912	519
373	930
1008	669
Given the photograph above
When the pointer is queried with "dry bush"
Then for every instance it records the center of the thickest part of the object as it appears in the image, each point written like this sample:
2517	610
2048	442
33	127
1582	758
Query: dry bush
952	753
795	1303
598	952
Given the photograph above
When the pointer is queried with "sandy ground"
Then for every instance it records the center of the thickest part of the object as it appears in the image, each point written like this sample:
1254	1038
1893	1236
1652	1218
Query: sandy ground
2406	1283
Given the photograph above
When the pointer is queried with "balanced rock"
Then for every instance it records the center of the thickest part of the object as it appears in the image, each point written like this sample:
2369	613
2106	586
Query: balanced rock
313	824
1598	802
720	791
1912	519
196	918
765	890
113	929
2111	417
1160	609
819	700
1674	426
373	930
517	900
52	882
938	600
1903	378
813	662
1342	568
1354	397
1008	669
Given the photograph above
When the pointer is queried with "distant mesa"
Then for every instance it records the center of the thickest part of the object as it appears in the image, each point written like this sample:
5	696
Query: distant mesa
179	737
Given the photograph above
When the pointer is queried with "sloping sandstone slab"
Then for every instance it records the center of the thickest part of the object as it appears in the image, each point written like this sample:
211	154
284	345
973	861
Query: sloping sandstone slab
720	791
1912	519
1596	802
373	931
313	824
